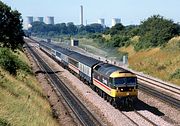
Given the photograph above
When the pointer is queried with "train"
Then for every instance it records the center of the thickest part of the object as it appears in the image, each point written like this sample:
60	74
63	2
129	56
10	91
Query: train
115	84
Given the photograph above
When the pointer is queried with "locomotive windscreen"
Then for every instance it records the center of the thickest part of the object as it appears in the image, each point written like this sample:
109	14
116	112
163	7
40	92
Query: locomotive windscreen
125	81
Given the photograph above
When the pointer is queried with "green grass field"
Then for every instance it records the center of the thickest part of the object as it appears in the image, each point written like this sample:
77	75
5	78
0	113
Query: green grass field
22	102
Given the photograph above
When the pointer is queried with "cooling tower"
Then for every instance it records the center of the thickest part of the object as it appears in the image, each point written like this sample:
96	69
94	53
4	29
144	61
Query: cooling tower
49	20
40	19
29	19
101	21
115	21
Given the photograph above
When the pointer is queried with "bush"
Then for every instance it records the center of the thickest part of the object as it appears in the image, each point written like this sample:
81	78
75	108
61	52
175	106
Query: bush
23	66
10	62
118	41
4	122
176	74
155	31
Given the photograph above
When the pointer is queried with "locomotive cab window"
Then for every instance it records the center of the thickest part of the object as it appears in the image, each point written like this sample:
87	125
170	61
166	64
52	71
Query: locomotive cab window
125	81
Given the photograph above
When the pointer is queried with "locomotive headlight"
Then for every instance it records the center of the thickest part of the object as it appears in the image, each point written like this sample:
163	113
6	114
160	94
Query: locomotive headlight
121	89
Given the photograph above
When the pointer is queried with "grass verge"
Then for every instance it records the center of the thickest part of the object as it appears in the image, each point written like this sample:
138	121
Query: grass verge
22	101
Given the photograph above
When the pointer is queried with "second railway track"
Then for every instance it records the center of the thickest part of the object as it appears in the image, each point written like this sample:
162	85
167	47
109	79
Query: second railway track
135	122
170	100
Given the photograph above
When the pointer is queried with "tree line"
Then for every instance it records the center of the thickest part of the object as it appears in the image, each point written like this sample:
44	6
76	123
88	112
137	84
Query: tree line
153	32
40	28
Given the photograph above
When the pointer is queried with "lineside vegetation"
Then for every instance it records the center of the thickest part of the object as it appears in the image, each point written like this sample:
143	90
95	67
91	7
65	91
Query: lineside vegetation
22	102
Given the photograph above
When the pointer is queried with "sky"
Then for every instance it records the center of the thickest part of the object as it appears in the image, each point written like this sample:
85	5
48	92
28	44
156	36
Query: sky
129	11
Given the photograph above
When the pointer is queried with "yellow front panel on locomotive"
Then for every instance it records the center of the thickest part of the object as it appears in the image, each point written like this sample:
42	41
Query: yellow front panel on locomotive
118	93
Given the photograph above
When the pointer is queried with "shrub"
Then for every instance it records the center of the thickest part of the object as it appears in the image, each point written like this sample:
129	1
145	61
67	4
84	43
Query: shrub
155	31
10	62
119	41
4	122
176	74
23	66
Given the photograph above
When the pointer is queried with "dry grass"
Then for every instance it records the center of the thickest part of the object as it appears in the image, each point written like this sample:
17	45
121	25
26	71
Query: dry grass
22	102
158	62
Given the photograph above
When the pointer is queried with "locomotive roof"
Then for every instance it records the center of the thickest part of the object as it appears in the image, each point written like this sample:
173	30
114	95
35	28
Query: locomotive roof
84	59
108	69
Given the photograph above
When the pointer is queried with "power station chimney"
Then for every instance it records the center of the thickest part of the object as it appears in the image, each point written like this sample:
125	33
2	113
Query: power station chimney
81	15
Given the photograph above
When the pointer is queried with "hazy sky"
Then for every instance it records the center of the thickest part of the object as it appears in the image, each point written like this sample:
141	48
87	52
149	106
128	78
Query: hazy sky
130	11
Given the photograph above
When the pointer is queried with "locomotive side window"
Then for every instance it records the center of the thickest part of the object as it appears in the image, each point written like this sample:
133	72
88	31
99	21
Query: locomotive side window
105	80
99	77
96	76
110	81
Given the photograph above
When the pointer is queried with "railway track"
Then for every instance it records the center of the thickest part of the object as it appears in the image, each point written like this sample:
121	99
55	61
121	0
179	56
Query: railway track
135	121
82	113
160	84
145	118
170	100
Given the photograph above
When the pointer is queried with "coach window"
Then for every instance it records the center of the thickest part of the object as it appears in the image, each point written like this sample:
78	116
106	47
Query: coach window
81	67
73	62
58	54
